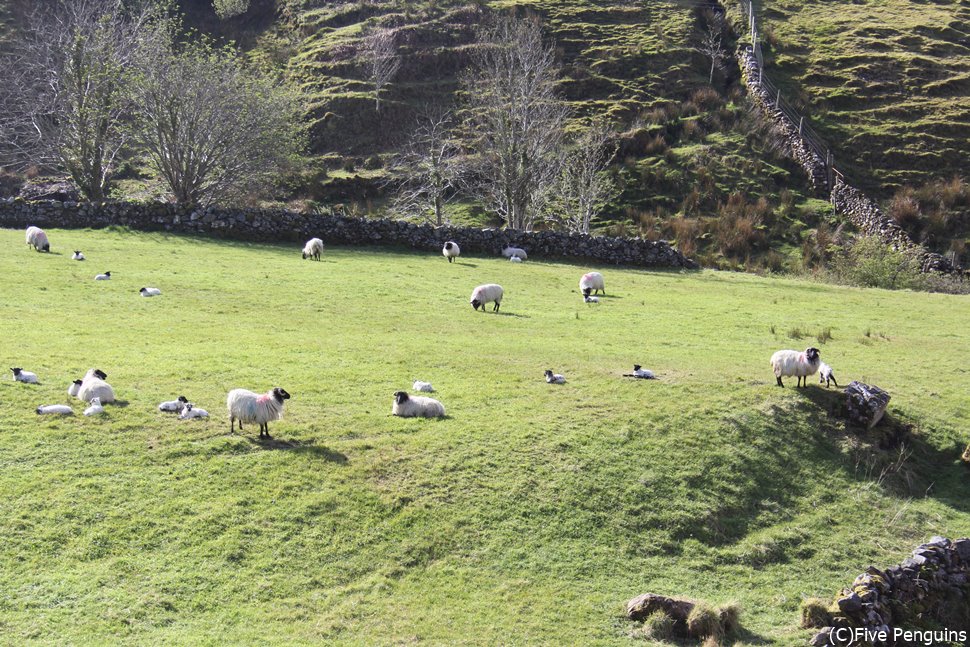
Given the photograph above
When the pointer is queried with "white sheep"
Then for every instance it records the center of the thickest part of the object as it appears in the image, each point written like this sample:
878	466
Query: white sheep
485	294
641	373
313	248
246	406
20	375
74	389
78	256
555	378
825	375
37	239
59	409
174	406
103	277
792	363
149	292
95	408
515	259
510	251
94	386
423	386
451	251
416	406
589	299
591	282
191	411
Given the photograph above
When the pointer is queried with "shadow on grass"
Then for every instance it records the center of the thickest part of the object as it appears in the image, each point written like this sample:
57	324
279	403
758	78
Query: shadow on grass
512	314
121	404
298	446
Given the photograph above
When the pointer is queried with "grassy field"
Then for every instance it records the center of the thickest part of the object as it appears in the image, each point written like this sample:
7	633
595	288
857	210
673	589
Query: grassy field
529	515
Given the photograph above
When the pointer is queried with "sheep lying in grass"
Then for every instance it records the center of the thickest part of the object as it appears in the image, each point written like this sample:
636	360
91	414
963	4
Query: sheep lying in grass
37	239
641	373
791	363
149	292
592	282
103	277
416	406
94	386
95	408
555	378
487	293
57	409
313	249
589	299
74	389
26	377
78	256
174	406
451	251
246	406
825	375
423	386
510	252
515	259
191	411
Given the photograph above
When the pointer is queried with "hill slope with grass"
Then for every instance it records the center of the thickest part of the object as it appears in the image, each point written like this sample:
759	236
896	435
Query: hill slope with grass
529	515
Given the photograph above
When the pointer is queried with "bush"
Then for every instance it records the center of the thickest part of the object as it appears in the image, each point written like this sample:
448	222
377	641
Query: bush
868	262
815	613
658	626
704	622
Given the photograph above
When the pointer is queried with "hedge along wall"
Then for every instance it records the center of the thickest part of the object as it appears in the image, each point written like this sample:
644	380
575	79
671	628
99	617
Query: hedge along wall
279	225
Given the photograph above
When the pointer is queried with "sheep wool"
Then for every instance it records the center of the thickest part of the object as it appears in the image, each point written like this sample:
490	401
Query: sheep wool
174	406
103	277
792	363
37	239
515	259
78	256
589	299
825	375
246	406
95	408
555	378
313	249
20	375
416	406
57	409
94	386
190	411
591	282
642	373
150	292
423	386
74	389
510	251
451	251
487	293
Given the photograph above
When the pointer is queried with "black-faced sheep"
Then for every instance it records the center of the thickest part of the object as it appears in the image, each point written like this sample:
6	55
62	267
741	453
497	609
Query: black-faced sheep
416	406
246	406
792	363
487	293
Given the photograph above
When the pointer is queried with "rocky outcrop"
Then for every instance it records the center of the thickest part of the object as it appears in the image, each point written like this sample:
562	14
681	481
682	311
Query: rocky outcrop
865	404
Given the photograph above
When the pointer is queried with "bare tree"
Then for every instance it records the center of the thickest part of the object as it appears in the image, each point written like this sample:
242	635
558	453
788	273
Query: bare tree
514	121
712	44
585	185
382	60
428	164
66	102
213	129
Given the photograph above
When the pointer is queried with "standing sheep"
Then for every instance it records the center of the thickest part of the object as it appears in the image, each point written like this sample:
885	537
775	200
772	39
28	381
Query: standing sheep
416	406
246	406
37	239
485	294
791	363
313	249
825	375
451	251
591	282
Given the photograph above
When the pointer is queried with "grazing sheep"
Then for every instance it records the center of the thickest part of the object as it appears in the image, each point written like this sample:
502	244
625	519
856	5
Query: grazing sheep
78	256
451	251
59	409
791	363
246	406
95	408
190	411
416	406
423	386
555	378
589	299
37	239
103	277
641	373
515	259
487	293
174	406
825	375
591	282
510	252
150	292
94	386
26	377
74	389
313	249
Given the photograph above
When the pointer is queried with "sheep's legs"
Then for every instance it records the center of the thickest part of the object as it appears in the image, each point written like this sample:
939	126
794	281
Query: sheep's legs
780	383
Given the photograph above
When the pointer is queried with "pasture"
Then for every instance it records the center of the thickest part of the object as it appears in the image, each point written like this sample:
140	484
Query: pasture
529	515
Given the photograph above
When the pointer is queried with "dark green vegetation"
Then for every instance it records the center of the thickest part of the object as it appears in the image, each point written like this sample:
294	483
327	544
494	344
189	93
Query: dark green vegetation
529	515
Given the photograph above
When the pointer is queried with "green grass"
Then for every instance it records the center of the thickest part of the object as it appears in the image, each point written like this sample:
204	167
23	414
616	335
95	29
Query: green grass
529	515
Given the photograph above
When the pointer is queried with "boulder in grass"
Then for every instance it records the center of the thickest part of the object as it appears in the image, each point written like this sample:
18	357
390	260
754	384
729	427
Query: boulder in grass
866	404
644	605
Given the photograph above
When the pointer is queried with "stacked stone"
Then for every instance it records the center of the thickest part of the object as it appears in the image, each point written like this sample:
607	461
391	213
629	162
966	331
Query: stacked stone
865	403
934	578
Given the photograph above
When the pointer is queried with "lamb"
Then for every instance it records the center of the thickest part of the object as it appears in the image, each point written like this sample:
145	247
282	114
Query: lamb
825	375
641	373
103	277
791	363
59	409
591	282
509	252
20	375
150	292
515	259
313	248
416	406
246	406
95	408
190	411
555	378
94	386
74	388
37	239
423	386
78	256
486	293
589	299
451	251
174	406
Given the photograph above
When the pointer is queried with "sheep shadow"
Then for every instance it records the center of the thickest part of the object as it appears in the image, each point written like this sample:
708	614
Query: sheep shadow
472	265
121	404
298	446
512	314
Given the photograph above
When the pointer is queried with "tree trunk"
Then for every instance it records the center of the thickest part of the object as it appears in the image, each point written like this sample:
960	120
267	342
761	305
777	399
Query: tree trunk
866	404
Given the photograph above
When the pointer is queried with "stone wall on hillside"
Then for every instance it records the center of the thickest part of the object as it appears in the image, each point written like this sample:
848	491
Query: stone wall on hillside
279	225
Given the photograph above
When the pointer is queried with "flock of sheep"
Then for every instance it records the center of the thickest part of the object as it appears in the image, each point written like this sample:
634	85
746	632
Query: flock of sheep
252	408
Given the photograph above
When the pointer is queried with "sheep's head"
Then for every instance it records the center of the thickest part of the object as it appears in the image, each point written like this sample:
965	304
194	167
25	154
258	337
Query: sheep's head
586	291
401	397
78	382
304	255
100	374
476	303
636	367
549	373
143	290
812	354
16	371
183	399
280	394
46	247
95	402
